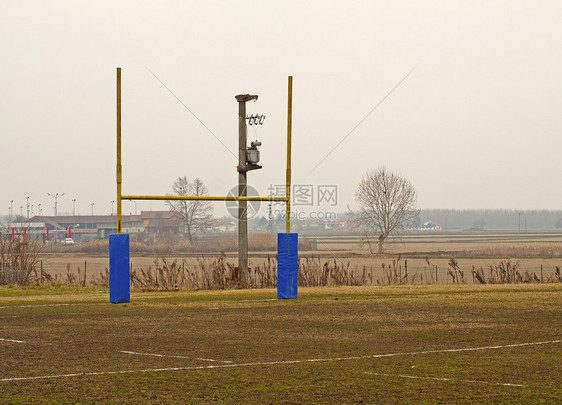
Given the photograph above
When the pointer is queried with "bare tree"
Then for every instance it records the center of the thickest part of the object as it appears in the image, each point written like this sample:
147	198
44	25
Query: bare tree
388	204
196	215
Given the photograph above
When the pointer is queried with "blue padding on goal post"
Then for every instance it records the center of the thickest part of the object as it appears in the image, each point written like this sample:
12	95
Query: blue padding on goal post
287	265
119	277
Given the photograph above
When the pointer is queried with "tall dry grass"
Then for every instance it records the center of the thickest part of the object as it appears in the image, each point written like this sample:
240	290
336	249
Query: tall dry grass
209	273
218	273
508	272
19	262
519	250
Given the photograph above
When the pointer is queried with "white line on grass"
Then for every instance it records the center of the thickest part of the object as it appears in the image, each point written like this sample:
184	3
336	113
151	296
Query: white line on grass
270	363
172	356
48	305
11	340
444	379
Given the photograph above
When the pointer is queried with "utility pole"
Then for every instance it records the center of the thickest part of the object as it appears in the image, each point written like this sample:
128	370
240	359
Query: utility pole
56	196
270	219
243	169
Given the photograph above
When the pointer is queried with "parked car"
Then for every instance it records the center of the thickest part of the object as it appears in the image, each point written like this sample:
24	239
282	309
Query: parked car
68	241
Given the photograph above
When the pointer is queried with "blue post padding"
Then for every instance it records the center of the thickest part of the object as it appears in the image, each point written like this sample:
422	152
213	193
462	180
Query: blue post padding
119	277
287	265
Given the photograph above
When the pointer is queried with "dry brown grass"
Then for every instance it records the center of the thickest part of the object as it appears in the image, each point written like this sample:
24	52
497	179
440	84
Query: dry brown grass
216	273
506	272
219	272
534	249
19	262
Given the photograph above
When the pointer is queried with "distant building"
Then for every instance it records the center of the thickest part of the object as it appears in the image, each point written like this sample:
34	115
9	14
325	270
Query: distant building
224	226
90	227
431	226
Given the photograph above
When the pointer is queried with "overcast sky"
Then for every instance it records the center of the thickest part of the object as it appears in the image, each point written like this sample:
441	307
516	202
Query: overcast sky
477	123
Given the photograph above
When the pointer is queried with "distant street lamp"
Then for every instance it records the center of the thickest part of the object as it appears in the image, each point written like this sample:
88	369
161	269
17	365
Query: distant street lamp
134	202
74	207
112	207
56	196
21	210
39	207
11	209
27	206
92	204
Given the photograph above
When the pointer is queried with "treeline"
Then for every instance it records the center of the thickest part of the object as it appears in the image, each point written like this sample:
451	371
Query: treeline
497	219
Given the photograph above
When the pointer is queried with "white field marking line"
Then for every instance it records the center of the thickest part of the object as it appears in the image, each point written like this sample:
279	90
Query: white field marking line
270	363
172	356
444	379
21	316
46	305
12	340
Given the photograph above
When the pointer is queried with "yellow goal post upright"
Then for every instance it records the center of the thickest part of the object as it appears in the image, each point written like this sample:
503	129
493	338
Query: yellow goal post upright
119	243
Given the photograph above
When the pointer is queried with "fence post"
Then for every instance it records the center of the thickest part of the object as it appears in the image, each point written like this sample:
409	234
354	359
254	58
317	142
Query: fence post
541	273
473	274
436	281
84	273
41	271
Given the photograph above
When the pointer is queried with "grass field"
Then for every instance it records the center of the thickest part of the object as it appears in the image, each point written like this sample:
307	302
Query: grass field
394	344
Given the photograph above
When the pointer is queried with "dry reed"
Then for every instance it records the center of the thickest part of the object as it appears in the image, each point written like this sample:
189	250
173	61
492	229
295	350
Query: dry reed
18	262
534	249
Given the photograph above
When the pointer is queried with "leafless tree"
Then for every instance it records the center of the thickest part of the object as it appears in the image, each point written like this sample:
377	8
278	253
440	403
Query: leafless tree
196	215
388	204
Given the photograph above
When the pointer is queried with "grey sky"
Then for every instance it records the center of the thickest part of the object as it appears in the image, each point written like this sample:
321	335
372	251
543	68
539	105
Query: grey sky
478	124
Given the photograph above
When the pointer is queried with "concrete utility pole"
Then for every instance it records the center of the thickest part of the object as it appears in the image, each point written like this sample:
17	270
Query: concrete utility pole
55	196
242	190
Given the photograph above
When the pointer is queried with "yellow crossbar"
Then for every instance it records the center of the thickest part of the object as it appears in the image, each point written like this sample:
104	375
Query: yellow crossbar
200	198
